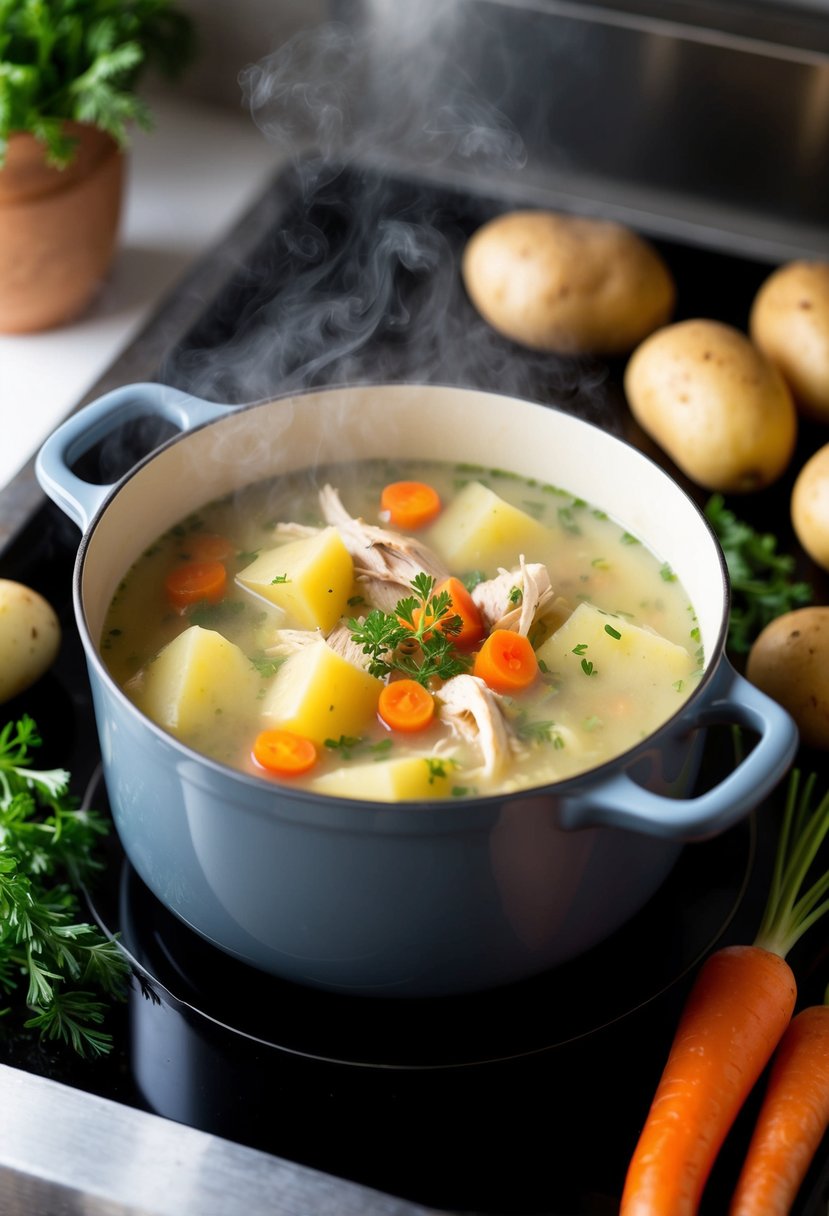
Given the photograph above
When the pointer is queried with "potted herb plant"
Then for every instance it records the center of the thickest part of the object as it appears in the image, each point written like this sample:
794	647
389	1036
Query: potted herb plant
68	76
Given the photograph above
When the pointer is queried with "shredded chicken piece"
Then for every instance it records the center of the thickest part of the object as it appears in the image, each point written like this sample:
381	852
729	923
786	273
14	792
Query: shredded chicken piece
294	531
494	598
339	639
473	712
288	641
385	562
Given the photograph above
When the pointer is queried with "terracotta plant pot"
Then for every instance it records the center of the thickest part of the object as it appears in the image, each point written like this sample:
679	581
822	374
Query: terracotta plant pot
58	228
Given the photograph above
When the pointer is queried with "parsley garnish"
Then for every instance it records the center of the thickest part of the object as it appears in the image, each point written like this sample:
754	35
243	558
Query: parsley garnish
415	639
46	849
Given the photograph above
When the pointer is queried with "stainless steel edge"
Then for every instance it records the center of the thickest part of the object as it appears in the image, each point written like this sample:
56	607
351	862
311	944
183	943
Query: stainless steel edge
68	1153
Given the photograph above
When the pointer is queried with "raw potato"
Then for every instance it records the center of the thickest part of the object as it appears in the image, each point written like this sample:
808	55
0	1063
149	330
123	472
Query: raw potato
810	507
790	324
790	661
29	637
567	283
715	404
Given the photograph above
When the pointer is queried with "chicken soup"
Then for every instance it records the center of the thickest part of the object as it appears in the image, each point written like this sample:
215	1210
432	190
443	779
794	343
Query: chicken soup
413	630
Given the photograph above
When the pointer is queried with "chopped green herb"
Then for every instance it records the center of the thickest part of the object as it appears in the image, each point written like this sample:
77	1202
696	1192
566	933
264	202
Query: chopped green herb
580	649
666	573
614	633
678	685
280	578
209	616
588	668
516	595
266	664
471	580
761	578
627	538
593	722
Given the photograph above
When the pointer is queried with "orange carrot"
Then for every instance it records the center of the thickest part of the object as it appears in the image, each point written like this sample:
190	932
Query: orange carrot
738	1008
736	1013
284	752
209	547
792	1121
506	661
192	582
462	605
409	504
405	705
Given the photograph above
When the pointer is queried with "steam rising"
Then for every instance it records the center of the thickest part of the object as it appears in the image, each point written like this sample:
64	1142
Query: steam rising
360	281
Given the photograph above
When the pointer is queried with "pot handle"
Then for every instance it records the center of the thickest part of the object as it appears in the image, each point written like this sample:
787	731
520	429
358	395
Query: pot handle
618	801
80	499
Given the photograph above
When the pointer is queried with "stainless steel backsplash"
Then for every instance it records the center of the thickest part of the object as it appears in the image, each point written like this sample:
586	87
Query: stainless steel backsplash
706	121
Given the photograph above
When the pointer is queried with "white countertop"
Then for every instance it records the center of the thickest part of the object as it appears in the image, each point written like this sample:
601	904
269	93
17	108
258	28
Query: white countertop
188	180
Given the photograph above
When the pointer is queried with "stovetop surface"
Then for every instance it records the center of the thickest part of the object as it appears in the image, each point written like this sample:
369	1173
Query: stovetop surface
524	1100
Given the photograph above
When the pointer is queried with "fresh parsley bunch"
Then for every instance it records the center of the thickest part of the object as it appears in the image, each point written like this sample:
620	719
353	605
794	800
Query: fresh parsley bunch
762	585
81	60
58	964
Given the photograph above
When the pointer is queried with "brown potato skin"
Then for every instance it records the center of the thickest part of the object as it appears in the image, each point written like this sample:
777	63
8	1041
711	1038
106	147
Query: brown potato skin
789	322
810	506
567	284
714	403
30	636
789	661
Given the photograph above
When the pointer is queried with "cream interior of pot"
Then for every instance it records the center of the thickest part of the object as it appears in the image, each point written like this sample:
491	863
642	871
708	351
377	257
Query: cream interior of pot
428	422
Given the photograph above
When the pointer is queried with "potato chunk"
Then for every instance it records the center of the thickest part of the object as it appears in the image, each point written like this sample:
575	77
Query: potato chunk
319	694
195	677
614	677
478	530
406	777
309	579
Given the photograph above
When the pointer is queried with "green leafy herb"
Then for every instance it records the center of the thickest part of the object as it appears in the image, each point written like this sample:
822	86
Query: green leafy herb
60	966
409	639
666	573
267	665
211	616
580	648
280	578
81	60
588	668
614	633
761	578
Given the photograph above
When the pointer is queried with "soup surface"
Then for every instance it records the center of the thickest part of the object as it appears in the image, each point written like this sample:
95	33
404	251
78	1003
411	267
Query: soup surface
403	631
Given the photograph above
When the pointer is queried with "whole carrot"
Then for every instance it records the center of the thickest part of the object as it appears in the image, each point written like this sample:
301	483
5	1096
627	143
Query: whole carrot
736	1013
792	1121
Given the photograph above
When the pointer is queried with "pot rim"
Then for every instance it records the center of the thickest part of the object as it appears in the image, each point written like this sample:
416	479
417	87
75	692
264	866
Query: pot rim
461	806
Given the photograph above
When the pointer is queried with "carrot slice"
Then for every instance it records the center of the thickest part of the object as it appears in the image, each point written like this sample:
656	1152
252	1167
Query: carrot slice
463	605
192	582
209	547
506	662
405	705
284	752
792	1121
737	1011
409	504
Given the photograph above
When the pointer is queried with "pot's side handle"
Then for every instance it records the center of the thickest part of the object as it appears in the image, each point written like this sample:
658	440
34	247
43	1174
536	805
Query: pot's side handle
619	802
81	499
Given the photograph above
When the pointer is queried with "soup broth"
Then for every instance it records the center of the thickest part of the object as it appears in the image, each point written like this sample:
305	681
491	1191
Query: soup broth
282	613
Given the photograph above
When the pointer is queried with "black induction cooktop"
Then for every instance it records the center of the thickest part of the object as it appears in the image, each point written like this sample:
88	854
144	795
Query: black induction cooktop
523	1100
